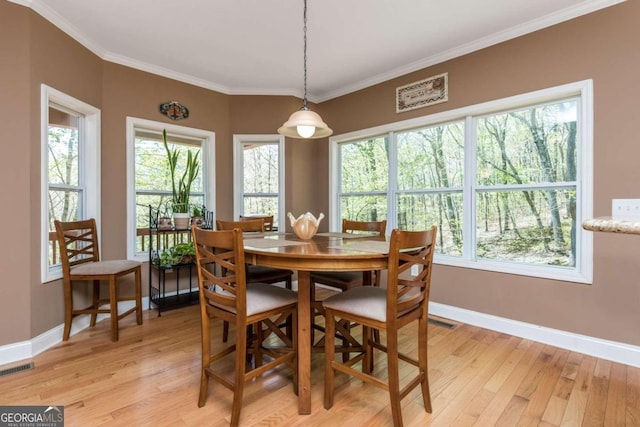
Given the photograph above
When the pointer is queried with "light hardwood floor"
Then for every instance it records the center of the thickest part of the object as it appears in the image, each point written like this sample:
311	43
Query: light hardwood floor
478	377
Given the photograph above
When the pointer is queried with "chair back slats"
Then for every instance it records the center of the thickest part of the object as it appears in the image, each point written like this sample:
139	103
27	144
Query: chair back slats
364	226
220	290
221	283
249	225
79	242
266	219
408	289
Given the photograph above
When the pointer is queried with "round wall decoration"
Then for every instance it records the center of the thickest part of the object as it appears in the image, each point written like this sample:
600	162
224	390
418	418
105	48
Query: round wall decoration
174	110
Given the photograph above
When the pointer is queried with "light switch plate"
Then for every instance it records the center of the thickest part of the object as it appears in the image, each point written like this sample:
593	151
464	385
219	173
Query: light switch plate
625	208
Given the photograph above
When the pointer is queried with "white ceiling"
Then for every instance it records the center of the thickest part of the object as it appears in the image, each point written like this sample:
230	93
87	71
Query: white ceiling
256	46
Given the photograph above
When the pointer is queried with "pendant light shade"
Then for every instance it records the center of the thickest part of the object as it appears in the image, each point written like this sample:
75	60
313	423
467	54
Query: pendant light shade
305	123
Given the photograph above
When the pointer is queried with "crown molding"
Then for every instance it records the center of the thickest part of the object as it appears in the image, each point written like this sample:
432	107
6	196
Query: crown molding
493	39
566	14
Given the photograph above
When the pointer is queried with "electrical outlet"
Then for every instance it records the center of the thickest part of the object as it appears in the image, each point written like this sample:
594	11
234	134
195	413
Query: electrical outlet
625	208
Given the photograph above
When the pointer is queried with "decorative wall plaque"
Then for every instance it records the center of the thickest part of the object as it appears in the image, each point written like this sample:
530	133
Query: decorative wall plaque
432	90
174	110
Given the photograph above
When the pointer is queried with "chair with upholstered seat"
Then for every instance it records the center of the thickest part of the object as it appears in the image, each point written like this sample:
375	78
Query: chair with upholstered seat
80	258
404	300
225	294
344	280
255	273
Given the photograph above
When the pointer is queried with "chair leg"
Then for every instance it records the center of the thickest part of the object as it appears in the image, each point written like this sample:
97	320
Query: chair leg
238	392
329	351
68	310
367	363
423	363
312	299
394	377
95	301
204	386
257	352
206	351
289	329
294	346
138	291
345	342
113	303
225	331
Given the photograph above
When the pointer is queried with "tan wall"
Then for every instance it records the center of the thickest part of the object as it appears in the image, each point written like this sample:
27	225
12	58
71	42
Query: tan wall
44	54
133	93
601	46
264	115
59	62
15	250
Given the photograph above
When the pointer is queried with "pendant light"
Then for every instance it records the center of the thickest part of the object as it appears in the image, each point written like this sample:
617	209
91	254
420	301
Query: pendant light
305	123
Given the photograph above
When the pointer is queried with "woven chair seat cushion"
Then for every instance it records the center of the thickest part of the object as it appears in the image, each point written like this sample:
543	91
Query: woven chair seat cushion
104	267
262	297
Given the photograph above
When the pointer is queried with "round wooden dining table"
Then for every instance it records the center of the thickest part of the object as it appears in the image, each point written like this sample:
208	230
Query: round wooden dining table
325	252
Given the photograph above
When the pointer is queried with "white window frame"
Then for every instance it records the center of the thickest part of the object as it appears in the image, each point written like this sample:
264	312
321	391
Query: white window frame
238	172
208	162
583	270
89	154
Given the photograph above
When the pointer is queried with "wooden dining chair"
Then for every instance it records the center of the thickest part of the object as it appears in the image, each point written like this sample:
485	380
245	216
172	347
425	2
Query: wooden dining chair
80	258
345	280
229	297
266	219
255	273
404	300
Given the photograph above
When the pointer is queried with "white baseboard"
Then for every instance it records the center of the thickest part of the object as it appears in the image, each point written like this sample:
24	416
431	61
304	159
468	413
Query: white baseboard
28	349
604	349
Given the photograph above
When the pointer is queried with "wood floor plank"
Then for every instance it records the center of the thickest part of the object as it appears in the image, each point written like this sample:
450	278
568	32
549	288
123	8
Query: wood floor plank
577	405
470	382
595	411
546	384
633	397
504	395
478	377
616	397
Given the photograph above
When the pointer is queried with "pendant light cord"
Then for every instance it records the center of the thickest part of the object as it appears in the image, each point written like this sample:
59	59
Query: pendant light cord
304	105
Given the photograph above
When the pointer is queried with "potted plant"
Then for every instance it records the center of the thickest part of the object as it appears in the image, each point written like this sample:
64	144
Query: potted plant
186	252
182	253
197	216
181	185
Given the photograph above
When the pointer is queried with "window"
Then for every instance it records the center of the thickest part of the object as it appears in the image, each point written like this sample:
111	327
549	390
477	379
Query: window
149	182
70	169
363	190
258	176
507	182
430	182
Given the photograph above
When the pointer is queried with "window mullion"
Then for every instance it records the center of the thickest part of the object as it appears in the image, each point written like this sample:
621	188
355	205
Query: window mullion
392	198
469	192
